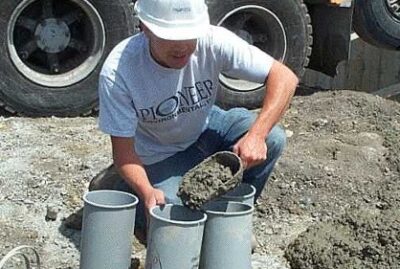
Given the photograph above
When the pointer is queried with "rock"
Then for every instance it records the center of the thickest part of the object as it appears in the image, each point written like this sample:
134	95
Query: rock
266	261
52	212
289	133
319	123
74	221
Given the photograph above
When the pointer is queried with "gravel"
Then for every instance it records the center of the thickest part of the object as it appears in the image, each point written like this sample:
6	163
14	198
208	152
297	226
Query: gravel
342	159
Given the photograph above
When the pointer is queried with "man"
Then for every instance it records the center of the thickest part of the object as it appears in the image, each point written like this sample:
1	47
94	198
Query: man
157	93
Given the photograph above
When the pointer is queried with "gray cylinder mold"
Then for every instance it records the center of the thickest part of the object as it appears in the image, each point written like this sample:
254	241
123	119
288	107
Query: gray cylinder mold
175	237
107	229
243	193
227	236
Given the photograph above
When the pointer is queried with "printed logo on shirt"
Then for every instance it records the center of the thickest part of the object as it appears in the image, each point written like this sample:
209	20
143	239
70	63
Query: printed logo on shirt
187	100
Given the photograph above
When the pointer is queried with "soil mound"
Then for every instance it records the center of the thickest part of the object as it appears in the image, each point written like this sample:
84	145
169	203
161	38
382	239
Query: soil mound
359	240
346	176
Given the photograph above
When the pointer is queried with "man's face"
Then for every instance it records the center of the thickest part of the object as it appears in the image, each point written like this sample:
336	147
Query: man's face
170	53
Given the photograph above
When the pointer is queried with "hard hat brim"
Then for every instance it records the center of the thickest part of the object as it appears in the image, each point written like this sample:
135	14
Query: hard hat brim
179	33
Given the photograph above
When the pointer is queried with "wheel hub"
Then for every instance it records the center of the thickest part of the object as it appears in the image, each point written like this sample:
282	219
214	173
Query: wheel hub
394	7
52	35
260	27
55	43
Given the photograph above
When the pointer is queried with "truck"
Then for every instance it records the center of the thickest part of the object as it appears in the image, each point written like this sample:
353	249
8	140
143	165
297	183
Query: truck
52	50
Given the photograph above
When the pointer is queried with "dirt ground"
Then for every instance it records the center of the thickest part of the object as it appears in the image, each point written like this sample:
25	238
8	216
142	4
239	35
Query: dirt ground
333	200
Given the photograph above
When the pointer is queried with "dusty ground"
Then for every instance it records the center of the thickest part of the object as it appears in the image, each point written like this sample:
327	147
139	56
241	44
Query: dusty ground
332	202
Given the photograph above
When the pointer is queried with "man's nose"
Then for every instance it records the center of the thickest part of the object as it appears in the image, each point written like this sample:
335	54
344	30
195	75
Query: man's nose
184	44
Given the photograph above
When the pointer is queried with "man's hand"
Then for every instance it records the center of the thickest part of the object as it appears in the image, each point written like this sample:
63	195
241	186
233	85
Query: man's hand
152	197
251	149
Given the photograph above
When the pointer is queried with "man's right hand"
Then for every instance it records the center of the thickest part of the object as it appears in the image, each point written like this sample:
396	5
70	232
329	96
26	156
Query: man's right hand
152	197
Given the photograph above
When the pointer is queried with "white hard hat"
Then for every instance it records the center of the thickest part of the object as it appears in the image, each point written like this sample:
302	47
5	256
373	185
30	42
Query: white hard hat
174	19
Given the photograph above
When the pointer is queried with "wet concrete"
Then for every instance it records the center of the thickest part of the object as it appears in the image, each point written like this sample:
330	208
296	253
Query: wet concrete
212	178
359	240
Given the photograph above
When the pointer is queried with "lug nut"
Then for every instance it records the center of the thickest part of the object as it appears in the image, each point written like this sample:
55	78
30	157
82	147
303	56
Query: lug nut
24	55
55	69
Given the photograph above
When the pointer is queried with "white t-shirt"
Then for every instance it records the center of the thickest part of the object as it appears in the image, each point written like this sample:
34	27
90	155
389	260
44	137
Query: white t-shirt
165	110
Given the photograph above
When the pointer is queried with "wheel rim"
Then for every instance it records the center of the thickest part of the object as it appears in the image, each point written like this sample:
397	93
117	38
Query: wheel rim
55	45
257	25
394	7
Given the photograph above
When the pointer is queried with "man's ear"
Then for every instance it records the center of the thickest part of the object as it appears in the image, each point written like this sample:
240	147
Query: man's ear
144	29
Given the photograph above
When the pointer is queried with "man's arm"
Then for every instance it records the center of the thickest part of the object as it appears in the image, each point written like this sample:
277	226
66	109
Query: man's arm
132	170
280	87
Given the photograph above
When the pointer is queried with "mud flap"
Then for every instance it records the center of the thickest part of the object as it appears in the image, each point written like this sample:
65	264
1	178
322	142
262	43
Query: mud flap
331	37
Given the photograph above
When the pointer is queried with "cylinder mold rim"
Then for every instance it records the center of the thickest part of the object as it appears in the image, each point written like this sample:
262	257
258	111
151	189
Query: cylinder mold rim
243	185
87	198
200	220
212	208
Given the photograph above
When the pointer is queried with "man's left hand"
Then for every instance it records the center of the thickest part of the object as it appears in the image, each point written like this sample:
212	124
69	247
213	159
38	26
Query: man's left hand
251	149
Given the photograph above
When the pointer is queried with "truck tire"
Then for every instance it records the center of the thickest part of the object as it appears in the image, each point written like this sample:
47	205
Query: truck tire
53	51
282	28
378	22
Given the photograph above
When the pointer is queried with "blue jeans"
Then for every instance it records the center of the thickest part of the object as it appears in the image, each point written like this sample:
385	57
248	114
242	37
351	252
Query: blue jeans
224	129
